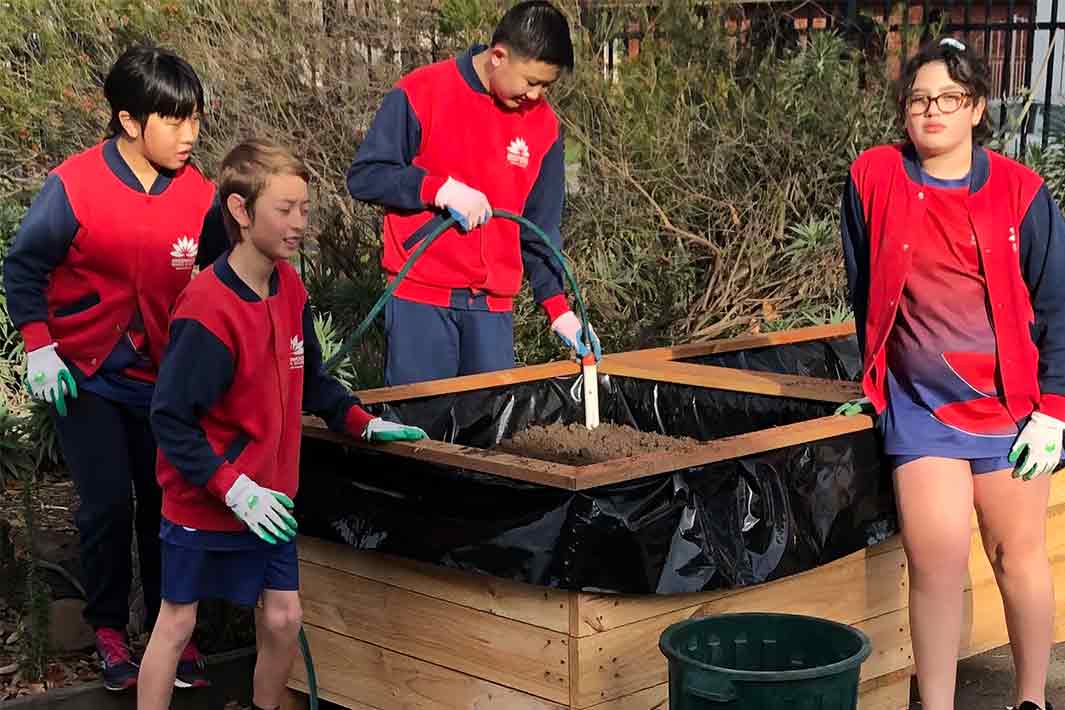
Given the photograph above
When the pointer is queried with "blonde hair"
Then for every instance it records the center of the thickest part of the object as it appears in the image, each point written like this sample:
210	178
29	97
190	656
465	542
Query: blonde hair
245	170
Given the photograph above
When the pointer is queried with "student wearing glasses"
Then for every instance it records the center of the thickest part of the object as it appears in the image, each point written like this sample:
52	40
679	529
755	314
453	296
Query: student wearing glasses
955	260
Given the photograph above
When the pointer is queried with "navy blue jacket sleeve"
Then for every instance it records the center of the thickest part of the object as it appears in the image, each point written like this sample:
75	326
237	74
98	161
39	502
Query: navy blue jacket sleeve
213	238
1043	266
383	172
323	394
41	244
855	256
180	401
544	209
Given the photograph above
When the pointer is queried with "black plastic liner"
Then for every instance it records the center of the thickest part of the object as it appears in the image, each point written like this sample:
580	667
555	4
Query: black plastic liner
723	525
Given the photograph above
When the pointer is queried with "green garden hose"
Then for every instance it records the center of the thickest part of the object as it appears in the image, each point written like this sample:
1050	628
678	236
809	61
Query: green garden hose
350	342
428	240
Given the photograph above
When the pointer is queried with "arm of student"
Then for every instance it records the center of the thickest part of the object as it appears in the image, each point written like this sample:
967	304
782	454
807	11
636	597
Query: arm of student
855	256
544	209
323	394
213	238
1043	266
41	244
383	172
180	401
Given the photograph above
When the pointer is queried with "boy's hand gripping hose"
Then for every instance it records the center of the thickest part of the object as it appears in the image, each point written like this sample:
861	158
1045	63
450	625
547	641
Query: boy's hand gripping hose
591	380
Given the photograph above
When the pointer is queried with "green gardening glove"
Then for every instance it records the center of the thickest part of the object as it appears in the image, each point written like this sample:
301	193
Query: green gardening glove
381	430
263	510
1037	450
855	406
48	378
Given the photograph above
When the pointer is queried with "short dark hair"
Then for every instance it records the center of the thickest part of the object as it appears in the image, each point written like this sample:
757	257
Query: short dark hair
147	80
965	66
536	30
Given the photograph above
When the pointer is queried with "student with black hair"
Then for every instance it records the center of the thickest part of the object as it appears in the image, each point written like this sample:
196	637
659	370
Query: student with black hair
462	137
100	258
955	258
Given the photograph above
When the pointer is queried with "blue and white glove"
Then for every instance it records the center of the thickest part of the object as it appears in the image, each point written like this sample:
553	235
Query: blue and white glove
469	207
568	328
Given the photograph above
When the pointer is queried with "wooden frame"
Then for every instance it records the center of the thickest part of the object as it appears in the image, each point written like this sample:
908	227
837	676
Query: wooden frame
393	634
658	364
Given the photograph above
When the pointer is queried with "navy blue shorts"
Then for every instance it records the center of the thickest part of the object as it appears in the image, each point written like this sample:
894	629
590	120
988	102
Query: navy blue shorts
237	567
986	465
432	343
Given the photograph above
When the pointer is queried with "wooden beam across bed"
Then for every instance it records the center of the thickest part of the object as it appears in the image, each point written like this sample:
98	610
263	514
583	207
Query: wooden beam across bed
657	365
631	468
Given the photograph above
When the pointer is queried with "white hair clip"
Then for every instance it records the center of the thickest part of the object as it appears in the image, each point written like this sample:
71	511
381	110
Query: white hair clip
952	43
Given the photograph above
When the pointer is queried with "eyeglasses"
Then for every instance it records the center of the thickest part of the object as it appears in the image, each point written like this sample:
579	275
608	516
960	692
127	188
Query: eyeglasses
948	102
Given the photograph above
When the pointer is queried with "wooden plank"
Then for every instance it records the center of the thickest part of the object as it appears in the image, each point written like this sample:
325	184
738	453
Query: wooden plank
627	659
653	698
636	467
892	649
891	692
493	648
527	603
468	383
356	674
735	380
743	342
878	571
294	700
518	468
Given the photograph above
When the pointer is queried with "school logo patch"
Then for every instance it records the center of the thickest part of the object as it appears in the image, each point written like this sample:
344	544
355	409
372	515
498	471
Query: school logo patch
518	153
295	360
183	254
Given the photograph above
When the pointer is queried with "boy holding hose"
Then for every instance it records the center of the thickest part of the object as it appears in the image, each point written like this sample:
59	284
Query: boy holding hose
462	137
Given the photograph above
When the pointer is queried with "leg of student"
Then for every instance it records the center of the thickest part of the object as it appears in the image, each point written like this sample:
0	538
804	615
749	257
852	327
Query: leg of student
486	341
172	632
934	497
1012	515
277	630
96	448
149	507
423	342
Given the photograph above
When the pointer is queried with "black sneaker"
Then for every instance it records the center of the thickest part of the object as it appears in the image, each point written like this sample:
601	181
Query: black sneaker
1029	705
191	669
116	662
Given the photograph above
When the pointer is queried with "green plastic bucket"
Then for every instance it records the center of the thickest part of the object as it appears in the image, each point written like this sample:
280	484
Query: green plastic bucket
763	662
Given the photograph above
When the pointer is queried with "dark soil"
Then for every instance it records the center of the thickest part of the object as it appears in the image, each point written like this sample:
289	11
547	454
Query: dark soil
575	444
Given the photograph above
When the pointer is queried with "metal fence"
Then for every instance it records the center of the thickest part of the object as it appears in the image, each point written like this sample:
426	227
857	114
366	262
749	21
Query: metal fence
1021	40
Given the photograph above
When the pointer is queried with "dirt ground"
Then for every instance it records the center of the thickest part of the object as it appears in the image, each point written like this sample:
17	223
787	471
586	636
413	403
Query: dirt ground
575	444
986	681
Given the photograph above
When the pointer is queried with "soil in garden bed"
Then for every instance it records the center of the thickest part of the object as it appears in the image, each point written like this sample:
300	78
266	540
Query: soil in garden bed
577	445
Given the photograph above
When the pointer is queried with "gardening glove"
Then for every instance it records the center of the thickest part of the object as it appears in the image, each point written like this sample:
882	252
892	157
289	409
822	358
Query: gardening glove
568	327
48	378
381	430
264	511
855	406
1037	450
469	207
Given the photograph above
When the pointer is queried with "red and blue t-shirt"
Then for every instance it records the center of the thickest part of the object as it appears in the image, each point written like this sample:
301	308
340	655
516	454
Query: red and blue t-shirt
943	384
